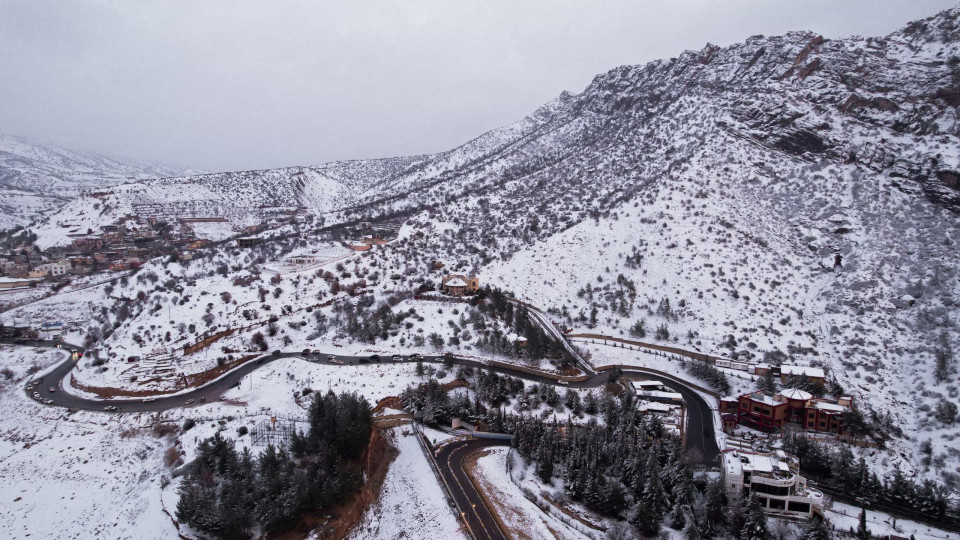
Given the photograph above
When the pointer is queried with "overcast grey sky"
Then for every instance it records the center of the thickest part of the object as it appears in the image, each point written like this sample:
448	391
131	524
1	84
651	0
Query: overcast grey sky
241	84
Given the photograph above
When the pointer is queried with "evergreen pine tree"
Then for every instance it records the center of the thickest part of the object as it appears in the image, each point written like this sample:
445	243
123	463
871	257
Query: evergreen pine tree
716	504
544	467
654	502
691	531
766	382
755	526
816	529
614	499
863	533
678	517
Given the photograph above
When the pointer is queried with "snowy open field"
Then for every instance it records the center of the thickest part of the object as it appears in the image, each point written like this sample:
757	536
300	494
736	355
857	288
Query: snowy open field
81	475
87	474
412	503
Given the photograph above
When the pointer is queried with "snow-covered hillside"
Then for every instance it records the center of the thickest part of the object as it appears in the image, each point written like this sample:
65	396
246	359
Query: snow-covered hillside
779	199
36	178
791	199
787	198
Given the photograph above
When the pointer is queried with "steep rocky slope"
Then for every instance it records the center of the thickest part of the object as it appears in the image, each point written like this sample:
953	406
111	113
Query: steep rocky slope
791	197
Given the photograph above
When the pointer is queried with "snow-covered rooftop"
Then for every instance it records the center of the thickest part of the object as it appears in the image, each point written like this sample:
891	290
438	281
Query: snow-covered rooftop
658	394
645	385
831	407
796	393
809	371
765	398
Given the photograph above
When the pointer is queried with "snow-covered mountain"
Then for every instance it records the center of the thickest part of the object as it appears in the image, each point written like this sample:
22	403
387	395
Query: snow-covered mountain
788	197
36	178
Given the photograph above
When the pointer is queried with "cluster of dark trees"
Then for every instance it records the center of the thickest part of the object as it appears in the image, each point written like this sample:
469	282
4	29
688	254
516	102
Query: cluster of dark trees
431	401
835	467
496	389
631	468
492	390
708	372
516	318
233	495
366	322
17	237
436	406
617	297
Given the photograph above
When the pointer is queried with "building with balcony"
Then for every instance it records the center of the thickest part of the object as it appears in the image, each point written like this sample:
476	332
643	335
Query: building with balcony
762	411
774	478
58	268
769	412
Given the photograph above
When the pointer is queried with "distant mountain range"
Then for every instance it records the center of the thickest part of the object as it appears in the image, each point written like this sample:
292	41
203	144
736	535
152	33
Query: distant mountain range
36	178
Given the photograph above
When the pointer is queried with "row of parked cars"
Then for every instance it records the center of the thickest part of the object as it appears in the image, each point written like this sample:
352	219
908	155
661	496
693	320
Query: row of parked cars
372	358
376	358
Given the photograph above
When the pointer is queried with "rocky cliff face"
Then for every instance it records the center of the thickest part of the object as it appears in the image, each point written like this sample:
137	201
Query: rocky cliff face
885	103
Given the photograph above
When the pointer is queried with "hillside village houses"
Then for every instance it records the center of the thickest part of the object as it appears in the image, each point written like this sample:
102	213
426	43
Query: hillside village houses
120	246
781	373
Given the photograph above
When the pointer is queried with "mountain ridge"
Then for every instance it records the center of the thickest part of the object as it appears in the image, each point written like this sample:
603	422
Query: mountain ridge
36	179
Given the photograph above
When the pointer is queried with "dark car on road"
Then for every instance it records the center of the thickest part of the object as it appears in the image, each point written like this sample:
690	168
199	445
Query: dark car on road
375	358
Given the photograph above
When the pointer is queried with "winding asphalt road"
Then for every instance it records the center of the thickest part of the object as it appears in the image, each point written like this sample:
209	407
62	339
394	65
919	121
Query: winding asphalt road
700	428
474	510
449	458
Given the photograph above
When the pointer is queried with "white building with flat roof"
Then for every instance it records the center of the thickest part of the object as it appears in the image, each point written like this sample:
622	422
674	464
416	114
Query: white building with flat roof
814	373
59	268
655	391
774	477
52	330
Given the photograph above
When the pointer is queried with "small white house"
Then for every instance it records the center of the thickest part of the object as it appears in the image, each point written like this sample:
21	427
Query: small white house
51	330
303	260
58	268
656	391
